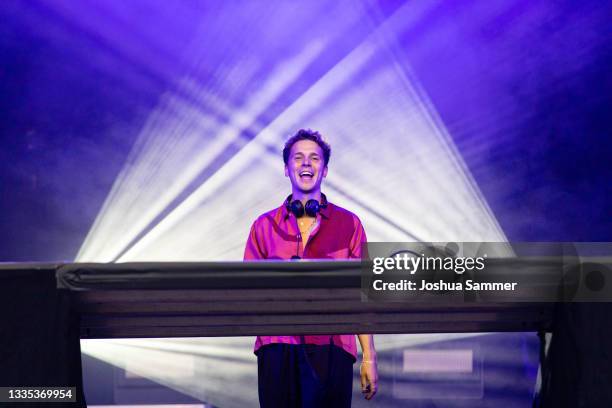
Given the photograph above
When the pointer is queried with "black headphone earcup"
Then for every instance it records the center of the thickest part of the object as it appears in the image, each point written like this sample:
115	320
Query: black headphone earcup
312	208
296	208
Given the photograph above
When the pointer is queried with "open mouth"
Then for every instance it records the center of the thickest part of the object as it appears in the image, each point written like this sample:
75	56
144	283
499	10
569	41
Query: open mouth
306	175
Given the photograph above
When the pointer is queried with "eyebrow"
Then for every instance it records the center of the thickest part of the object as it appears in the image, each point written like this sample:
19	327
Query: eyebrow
310	154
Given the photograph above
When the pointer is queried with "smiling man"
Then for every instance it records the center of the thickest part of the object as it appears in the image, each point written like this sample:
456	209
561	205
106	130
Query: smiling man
309	371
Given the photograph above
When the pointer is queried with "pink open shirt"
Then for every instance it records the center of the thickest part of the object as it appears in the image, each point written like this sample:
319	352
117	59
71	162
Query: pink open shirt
337	235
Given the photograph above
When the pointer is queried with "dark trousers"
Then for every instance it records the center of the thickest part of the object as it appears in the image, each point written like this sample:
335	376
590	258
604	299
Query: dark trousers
304	376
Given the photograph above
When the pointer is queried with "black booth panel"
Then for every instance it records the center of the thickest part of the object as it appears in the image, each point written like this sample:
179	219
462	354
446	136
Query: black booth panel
39	338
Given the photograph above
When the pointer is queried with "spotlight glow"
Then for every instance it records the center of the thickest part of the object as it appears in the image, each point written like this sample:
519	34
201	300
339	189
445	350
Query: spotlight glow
201	368
207	163
396	166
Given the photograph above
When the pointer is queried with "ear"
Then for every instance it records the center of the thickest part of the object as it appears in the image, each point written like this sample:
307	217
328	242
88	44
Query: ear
325	172
286	171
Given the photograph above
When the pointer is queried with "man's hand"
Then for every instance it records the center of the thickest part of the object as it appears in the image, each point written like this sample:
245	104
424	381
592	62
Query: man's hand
369	378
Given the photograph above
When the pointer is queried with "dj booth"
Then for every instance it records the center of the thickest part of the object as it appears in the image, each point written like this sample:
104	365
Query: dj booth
47	308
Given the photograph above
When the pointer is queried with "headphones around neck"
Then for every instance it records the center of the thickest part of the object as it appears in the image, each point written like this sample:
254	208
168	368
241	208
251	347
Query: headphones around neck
311	208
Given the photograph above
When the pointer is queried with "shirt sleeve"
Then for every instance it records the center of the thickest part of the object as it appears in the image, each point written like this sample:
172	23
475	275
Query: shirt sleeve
253	249
357	240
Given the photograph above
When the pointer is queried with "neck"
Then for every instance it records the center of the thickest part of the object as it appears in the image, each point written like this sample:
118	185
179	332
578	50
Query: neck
304	197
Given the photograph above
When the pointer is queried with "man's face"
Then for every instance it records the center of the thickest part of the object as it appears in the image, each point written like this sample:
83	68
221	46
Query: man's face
305	167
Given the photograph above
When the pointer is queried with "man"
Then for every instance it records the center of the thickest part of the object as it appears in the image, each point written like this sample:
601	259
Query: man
309	371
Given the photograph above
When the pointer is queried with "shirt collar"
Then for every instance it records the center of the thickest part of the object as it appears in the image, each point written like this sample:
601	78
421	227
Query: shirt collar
325	210
284	212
